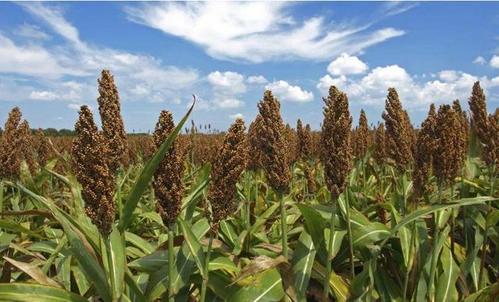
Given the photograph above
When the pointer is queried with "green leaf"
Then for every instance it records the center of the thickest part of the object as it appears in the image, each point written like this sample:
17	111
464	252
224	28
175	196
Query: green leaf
415	215
151	262
184	266
193	244
79	246
266	286
140	243
223	263
21	292
446	286
303	261
147	173
116	262
16	227
315	225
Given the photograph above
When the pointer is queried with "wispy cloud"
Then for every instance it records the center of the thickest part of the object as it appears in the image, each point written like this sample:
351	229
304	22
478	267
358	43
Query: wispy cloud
258	31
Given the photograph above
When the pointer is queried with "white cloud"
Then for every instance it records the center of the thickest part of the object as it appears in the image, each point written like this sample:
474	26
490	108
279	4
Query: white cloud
54	17
448	75
227	103
31	31
259	79
327	81
257	31
236	116
494	61
346	64
30	60
480	60
227	82
371	89
139	77
43	95
289	92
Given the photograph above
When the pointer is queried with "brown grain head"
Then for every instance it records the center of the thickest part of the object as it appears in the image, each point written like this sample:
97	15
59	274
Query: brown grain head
398	136
464	128
255	153
478	107
379	153
304	135
227	168
335	141
361	136
491	148
112	123
423	155
168	186
92	172
272	144
447	158
10	147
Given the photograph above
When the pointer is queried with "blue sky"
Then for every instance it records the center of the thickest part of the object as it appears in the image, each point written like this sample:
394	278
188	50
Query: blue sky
227	54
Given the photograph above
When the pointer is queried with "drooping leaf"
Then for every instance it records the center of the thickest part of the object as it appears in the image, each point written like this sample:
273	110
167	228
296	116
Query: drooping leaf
22	292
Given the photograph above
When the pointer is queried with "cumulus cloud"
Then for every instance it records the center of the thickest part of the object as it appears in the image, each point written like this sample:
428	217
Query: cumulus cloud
228	103
346	64
494	61
227	82
43	95
29	60
259	79
371	89
258	31
480	60
290	93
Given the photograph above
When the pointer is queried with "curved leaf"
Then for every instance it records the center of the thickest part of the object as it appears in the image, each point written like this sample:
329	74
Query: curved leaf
21	292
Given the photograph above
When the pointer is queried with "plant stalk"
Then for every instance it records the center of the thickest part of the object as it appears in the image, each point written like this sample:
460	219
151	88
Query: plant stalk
485	237
325	292
284	239
408	270
204	286
349	229
171	261
434	255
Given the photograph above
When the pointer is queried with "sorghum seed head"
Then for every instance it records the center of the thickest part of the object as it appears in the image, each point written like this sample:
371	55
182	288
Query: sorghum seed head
423	155
304	140
335	141
112	123
26	143
361	136
272	144
464	129
478	107
255	153
167	184
380	144
228	166
447	158
291	139
491	149
398	135
42	148
92	172
11	146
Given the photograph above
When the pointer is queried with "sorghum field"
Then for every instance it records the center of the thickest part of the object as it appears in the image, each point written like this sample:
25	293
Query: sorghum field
261	212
